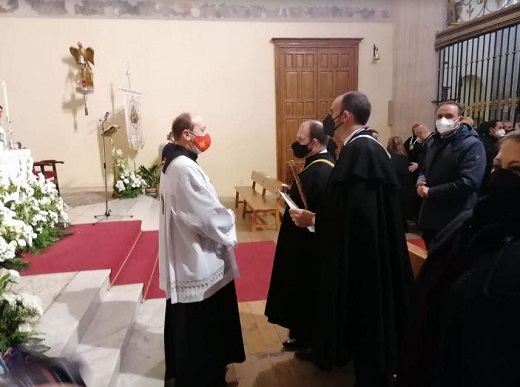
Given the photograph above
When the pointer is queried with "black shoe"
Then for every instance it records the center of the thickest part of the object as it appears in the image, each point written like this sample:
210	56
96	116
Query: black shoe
292	345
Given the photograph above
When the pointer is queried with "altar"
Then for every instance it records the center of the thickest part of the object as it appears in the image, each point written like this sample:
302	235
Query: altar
10	161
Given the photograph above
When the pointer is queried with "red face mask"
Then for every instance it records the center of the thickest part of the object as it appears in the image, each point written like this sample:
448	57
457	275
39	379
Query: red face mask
202	143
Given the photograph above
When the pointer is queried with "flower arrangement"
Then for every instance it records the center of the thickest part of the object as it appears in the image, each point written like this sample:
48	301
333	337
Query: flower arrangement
127	184
32	216
18	312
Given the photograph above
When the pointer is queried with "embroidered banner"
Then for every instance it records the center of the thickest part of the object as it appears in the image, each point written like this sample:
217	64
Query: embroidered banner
134	130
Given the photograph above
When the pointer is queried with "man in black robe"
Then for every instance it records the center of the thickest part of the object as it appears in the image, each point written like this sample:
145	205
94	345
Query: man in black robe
292	292
365	272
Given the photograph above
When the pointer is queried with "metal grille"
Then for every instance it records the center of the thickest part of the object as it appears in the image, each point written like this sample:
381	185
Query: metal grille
464	10
482	74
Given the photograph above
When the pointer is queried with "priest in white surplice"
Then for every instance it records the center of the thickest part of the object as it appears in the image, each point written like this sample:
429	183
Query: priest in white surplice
197	265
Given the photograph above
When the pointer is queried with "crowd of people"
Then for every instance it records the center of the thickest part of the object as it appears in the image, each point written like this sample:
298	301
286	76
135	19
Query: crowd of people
342	282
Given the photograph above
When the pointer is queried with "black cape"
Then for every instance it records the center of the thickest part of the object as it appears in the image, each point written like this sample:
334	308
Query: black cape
365	268
292	291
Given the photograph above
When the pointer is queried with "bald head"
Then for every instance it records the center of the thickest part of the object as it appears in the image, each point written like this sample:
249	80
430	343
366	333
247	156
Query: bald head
314	129
422	132
311	135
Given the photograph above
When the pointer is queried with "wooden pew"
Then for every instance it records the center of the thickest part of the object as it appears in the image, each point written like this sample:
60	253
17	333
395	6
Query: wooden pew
417	257
260	199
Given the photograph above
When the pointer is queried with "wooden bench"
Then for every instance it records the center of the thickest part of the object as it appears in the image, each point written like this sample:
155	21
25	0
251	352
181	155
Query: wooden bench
261	199
417	257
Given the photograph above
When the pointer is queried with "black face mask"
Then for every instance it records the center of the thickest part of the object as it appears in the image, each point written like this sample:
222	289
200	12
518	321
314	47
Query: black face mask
329	125
504	191
299	150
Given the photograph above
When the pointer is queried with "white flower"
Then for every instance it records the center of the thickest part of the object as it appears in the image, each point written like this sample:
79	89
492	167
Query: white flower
9	297
26	328
30	301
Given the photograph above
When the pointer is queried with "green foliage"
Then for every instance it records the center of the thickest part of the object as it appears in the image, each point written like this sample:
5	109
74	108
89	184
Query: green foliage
17	264
150	175
47	237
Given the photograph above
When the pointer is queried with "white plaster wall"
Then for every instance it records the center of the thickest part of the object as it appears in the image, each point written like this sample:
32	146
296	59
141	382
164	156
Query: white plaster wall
221	70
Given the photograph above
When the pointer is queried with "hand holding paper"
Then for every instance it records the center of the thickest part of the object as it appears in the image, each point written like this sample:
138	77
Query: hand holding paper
302	218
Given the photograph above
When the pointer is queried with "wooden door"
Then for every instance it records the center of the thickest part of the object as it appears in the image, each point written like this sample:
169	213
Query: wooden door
310	74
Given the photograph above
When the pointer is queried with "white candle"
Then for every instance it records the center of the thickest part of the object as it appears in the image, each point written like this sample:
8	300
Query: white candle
6	102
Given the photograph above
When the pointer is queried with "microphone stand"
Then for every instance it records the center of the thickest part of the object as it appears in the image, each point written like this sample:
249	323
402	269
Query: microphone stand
108	212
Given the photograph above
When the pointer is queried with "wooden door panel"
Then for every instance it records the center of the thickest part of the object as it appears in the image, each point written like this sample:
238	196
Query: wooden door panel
308	84
343	79
310	73
326	84
291	84
324	108
291	128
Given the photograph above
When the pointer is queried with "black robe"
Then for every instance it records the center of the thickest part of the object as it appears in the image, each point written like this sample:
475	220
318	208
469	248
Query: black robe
292	291
365	268
407	191
465	311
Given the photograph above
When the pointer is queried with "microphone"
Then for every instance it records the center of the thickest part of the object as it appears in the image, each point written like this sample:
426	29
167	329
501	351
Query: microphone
106	115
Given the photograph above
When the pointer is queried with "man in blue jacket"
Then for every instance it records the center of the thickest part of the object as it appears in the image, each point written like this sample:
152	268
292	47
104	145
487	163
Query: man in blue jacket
453	171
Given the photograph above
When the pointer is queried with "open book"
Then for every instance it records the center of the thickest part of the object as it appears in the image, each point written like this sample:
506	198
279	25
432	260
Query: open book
293	205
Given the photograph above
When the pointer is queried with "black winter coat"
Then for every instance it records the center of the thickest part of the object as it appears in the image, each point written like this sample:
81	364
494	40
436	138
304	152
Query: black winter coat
453	171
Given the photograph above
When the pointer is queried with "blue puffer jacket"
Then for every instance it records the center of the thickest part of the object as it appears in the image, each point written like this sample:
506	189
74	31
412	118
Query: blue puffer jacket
453	171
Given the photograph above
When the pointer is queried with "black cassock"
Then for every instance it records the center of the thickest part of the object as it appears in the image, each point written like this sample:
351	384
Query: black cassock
292	291
365	271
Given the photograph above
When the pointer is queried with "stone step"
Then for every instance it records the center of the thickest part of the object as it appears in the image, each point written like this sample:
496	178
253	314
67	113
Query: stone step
66	319
143	361
100	351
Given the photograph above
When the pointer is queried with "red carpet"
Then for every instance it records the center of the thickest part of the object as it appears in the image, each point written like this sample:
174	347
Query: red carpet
152	286
255	261
90	247
139	264
418	242
131	255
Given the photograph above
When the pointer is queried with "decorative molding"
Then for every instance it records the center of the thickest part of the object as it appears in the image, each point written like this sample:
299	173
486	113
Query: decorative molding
498	20
283	10
318	42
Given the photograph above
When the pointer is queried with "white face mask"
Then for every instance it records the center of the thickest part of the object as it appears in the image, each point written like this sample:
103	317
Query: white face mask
445	125
500	133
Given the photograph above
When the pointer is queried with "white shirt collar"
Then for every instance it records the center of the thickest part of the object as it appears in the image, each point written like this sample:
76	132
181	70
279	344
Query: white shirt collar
353	133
